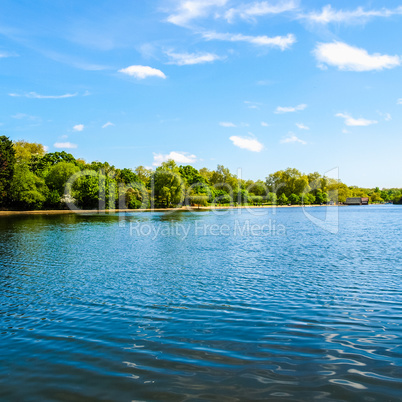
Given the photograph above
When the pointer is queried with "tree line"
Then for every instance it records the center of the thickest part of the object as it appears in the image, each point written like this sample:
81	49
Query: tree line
31	178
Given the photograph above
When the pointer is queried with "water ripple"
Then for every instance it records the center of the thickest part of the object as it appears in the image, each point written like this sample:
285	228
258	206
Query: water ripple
88	312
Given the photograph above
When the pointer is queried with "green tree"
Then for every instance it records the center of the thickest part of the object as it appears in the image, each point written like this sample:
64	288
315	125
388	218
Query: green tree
283	200
222	197
242	197
272	198
28	191
376	197
86	190
199	199
7	161
144	174
25	151
289	181
222	179
206	174
308	199
294	199
256	199
168	185
127	176
41	163
56	178
191	175
257	188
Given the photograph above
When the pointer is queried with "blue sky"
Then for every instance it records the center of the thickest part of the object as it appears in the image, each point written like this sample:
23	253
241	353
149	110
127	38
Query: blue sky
257	85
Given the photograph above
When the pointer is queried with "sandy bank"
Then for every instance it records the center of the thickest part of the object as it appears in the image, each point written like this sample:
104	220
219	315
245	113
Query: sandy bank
111	211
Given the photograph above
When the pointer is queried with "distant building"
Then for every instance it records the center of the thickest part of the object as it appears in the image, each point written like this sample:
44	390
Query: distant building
357	201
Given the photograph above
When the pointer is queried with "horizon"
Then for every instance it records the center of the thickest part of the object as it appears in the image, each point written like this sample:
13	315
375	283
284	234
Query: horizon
260	86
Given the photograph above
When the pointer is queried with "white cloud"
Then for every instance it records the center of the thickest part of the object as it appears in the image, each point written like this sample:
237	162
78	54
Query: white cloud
108	124
291	138
302	126
34	95
66	145
178	157
186	59
264	124
189	10
350	58
282	42
142	72
258	9
78	127
250	144
45	148
359	15
350	121
280	109
227	124
399	101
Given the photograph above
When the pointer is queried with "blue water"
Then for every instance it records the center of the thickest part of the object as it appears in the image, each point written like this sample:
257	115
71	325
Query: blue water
202	306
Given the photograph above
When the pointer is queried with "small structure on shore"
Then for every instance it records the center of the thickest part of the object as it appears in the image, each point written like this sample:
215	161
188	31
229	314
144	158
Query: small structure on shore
357	201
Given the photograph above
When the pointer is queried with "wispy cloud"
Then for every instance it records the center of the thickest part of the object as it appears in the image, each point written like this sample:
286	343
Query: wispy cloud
108	124
65	145
249	143
253	105
350	121
23	116
78	127
357	16
399	101
292	138
258	9
186	59
386	116
142	72
302	126
265	82
71	60
178	157
4	55
280	109
281	42
264	124
188	10
34	95
350	58
227	124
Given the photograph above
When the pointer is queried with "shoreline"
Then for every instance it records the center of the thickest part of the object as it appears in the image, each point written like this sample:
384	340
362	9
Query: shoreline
182	209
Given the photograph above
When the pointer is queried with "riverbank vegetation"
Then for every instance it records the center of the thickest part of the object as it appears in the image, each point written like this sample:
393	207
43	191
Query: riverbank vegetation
30	179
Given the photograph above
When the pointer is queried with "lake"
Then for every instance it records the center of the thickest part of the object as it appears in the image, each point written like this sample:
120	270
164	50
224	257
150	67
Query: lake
230	306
